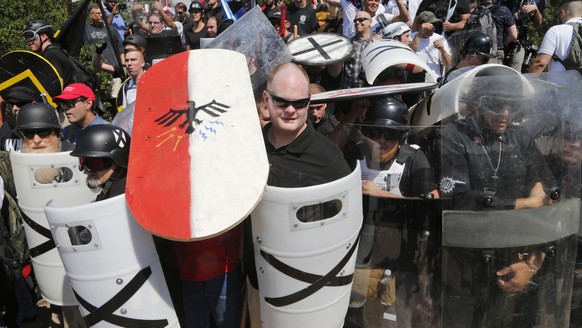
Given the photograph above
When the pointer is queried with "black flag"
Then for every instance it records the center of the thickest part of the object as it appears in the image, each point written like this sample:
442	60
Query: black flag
71	34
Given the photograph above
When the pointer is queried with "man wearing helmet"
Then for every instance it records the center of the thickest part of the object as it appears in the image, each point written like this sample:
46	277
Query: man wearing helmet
39	35
390	166
103	152
488	163
39	127
398	31
476	51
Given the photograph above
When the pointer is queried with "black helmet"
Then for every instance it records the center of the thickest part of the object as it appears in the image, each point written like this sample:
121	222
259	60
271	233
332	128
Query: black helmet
104	140
388	112
136	39
196	5
37	116
388	115
37	27
478	43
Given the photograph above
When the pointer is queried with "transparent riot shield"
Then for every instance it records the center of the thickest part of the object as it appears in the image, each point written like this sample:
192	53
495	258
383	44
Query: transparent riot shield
397	271
112	264
509	159
305	244
38	179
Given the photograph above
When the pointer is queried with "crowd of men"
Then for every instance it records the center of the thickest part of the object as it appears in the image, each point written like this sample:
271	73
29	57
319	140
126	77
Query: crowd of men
302	139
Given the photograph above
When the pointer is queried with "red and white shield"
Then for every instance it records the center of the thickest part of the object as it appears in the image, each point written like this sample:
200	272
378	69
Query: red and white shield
197	164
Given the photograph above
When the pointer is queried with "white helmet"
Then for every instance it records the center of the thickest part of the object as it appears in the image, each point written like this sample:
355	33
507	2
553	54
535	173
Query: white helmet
393	30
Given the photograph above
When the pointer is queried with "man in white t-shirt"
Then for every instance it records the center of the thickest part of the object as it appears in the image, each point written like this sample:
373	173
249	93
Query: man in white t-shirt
558	39
433	46
375	9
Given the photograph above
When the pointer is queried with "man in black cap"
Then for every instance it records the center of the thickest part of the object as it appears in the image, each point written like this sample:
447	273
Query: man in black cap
15	97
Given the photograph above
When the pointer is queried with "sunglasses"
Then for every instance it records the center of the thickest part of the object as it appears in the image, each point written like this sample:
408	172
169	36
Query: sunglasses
360	20
376	133
94	164
497	105
284	103
30	35
17	103
71	103
29	134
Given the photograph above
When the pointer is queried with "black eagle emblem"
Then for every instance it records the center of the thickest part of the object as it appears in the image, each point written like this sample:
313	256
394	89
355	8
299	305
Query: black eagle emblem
213	108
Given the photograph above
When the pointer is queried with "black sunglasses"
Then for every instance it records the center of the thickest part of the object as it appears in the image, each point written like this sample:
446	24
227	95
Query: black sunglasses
29	134
376	132
360	20
17	103
71	103
284	103
94	164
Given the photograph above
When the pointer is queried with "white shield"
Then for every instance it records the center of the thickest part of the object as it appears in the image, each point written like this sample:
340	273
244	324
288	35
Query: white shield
112	264
305	242
38	179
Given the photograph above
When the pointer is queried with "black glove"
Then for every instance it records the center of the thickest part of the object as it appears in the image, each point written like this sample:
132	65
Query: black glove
100	46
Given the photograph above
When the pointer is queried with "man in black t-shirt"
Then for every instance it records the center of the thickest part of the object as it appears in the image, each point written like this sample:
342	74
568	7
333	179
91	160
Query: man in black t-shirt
440	8
39	37
303	16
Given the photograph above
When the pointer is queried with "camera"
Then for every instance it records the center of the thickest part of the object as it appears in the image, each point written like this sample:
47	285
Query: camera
122	6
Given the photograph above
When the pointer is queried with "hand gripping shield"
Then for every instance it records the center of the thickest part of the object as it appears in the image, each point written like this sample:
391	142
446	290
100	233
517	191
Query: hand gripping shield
38	179
112	264
305	242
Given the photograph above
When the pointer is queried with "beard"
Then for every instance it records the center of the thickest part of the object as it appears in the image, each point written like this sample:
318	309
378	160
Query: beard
93	182
46	175
52	145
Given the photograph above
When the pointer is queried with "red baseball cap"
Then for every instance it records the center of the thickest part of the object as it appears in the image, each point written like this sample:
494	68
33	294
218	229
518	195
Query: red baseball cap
76	90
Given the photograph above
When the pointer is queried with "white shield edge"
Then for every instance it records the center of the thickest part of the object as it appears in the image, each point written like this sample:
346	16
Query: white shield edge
313	247
117	250
32	196
444	101
375	59
245	162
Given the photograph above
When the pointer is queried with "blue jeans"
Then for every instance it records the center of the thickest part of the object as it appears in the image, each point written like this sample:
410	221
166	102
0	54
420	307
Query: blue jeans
217	300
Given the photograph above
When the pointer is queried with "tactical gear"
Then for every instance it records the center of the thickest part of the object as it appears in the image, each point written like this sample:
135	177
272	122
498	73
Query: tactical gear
37	116
104	140
388	112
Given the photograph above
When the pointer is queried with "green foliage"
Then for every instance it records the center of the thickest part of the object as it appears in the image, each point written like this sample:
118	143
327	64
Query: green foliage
536	34
15	15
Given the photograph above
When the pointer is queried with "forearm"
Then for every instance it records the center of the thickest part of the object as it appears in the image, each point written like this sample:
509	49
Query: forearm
404	15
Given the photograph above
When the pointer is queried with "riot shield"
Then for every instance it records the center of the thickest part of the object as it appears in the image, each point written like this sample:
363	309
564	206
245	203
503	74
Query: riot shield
511	199
256	38
112	264
305	242
38	179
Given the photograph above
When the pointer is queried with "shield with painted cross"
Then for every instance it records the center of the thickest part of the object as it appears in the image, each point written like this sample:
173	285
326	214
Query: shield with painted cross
198	164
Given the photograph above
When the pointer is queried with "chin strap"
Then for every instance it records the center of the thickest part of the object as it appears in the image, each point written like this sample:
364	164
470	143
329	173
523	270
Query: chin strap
118	173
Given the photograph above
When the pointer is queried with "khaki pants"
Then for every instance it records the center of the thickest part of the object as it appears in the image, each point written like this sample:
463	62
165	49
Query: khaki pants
254	307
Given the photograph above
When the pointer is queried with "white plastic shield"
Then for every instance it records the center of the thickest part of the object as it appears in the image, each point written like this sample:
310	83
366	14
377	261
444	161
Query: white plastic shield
38	179
305	242
382	54
113	265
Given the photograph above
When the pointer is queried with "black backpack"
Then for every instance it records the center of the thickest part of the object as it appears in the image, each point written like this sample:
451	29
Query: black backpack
81	73
482	20
573	60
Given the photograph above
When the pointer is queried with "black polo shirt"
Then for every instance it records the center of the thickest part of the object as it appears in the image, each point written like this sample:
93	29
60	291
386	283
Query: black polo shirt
311	159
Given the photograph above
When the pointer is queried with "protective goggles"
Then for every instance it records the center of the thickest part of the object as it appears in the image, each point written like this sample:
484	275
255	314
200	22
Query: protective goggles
94	164
17	103
377	132
30	35
29	134
284	103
